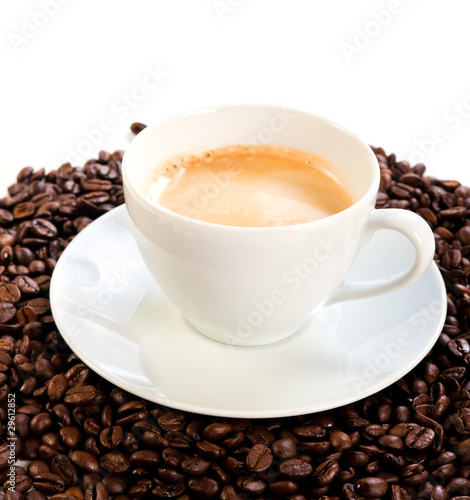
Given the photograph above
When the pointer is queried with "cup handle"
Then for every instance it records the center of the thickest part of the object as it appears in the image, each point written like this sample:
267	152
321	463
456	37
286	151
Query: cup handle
416	230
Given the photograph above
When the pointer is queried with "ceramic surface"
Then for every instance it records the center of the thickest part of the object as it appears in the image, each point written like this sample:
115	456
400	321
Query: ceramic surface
255	286
117	320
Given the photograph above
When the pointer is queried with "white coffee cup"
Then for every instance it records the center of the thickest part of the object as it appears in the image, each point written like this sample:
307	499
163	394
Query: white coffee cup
253	286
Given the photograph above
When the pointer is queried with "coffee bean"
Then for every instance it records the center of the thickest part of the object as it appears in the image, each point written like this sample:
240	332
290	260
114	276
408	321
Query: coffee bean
116	485
453	213
457	485
420	439
62	466
49	483
259	458
210	450
233	466
5	217
40	423
71	436
40	305
26	285
439	493
91	446
24	210
96	491
37	466
283	488
37	495
195	466
309	432
234	441
37	267
164	490
259	434
91	427
52	440
340	440
21	425
20	483
459	347
77	375
170	476
96	185
393	442
228	492
326	472
461	421
401	190
25	315
10	293
178	440
412	179
463	451
463	234
218	431
44	369
57	386
7	240
137	127
131	412
7	311
171	421
63	496
428	215
42	228
111	437
115	462
155	440
84	460
402	436
145	458
414	474
5	361
141	488
251	486
356	459
371	487
81	395
87	203
171	457
296	468
284	448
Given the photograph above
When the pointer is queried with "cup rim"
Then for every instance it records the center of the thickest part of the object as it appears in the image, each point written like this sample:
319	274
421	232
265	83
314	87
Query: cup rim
135	143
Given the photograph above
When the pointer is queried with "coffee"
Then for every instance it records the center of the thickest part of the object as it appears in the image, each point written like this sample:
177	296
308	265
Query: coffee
249	186
371	459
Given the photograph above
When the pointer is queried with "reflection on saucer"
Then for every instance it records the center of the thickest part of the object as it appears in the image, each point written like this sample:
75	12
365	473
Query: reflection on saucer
211	374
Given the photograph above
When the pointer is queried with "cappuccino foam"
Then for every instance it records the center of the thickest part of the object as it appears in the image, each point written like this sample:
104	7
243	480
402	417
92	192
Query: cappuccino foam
249	186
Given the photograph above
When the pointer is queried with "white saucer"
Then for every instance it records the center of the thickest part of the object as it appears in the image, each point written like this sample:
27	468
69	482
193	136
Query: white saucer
118	322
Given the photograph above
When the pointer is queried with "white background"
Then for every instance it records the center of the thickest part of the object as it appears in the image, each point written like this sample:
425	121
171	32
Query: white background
391	71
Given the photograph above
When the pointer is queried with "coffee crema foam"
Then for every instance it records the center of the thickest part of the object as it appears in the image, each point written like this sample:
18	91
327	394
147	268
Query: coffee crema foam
249	186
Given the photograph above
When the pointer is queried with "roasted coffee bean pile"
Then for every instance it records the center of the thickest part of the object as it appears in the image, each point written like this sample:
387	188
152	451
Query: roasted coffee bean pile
86	439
